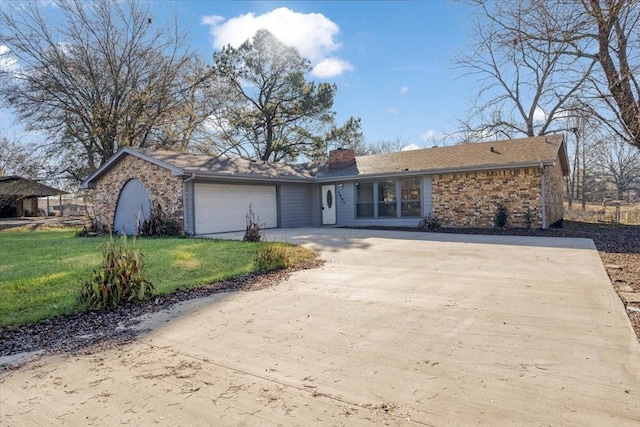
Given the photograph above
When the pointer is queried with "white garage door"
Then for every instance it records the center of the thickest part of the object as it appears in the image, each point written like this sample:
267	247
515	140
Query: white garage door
224	207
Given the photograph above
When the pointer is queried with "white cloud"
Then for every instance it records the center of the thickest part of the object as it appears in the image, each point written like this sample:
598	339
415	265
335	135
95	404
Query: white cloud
313	34
431	134
331	67
539	115
404	89
411	147
564	114
8	62
392	110
48	3
211	20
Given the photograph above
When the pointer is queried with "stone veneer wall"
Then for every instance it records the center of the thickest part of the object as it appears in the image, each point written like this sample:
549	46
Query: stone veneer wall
164	188
554	189
470	199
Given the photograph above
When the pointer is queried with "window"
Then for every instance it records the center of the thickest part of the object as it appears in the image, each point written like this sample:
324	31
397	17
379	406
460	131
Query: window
410	197
387	198
364	200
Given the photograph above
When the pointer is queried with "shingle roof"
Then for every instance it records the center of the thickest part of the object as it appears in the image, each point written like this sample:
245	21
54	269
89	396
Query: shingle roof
221	165
488	155
17	186
524	152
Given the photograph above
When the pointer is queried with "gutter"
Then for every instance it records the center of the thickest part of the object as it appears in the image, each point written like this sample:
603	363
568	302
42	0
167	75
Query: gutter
185	212
250	178
471	168
544	199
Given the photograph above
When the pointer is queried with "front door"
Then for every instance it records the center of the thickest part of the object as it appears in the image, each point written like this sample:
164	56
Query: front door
328	204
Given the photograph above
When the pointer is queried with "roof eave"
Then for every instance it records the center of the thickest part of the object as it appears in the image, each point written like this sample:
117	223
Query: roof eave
564	158
477	168
90	181
245	177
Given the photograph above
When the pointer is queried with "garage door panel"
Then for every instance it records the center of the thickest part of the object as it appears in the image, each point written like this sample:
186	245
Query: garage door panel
223	207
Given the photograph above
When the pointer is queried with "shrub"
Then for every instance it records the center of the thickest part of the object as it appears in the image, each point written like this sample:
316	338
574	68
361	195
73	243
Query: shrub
529	216
120	279
429	223
159	223
252	232
501	217
270	256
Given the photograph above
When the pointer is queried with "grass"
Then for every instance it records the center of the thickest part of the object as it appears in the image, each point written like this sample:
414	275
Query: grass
41	271
595	212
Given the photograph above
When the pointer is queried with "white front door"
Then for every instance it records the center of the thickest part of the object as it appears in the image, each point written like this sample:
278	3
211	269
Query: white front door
328	204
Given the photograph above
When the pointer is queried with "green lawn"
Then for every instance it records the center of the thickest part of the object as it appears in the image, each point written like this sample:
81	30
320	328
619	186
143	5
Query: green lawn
41	271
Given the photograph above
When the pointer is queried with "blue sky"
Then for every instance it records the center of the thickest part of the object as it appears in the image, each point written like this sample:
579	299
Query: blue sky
391	60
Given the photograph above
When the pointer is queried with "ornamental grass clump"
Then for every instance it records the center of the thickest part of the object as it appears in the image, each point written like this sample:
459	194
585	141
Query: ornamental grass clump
270	256
121	278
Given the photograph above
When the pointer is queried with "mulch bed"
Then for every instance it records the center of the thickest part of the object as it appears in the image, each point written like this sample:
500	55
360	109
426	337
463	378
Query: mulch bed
94	331
618	245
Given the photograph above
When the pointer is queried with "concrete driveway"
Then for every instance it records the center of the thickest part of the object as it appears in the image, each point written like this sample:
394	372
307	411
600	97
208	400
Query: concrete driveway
395	329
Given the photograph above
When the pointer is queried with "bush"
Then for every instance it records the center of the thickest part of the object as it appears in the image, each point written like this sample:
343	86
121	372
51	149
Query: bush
270	256
529	216
429	223
252	231
159	224
501	217
121	278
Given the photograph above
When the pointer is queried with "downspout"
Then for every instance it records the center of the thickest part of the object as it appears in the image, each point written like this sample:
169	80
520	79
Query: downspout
544	199
185	213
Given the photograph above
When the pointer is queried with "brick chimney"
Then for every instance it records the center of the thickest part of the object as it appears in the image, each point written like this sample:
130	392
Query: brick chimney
341	158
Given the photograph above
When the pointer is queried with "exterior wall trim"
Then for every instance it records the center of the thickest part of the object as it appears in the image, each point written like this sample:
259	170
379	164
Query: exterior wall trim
543	197
400	174
90	181
545	203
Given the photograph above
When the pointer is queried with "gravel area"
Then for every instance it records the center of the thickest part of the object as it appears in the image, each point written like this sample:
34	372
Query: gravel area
618	245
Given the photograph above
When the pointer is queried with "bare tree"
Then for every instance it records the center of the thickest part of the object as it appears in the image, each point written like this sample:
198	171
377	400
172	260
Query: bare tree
386	146
620	163
586	131
96	76
18	159
524	83
607	31
592	47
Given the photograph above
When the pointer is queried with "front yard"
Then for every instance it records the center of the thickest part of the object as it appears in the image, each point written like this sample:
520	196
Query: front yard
41	271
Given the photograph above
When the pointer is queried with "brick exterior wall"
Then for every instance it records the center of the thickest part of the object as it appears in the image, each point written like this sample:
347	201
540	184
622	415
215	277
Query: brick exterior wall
554	189
341	158
470	199
163	188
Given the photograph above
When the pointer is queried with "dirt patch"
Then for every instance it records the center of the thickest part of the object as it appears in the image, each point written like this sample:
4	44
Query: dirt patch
36	223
